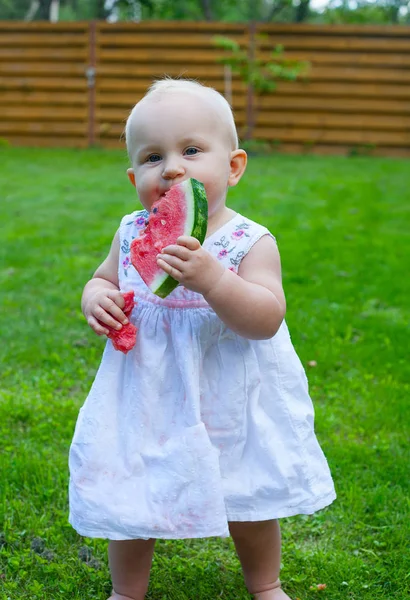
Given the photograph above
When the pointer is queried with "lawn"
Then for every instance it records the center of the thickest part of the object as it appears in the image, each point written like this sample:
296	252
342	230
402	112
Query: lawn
342	226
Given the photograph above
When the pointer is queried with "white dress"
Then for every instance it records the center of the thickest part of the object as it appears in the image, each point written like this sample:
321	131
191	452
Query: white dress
196	426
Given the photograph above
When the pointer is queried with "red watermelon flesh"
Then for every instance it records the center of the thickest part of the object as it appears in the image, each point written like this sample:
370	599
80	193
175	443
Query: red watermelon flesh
183	210
125	338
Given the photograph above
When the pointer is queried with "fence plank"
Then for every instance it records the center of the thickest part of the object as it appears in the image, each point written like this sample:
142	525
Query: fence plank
343	90
141	86
356	59
60	70
48	99
45	128
27	112
42	83
363	31
32	38
279	102
43	26
324	120
48	53
151	55
337	43
159	70
53	141
162	42
335	136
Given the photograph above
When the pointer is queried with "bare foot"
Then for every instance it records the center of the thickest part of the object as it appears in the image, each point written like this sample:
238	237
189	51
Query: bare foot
115	596
277	594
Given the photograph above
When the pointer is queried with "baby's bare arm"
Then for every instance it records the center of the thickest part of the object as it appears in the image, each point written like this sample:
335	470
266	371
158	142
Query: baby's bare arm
102	301
253	303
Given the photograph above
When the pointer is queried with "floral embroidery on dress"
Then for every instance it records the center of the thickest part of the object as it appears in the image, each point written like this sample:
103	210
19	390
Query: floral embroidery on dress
237	260
240	231
142	220
126	263
228	244
125	247
223	253
223	242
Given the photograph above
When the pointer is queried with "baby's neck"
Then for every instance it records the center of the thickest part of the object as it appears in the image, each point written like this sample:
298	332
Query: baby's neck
219	219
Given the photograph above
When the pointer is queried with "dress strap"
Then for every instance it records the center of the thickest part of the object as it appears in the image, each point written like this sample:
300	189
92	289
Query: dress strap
234	240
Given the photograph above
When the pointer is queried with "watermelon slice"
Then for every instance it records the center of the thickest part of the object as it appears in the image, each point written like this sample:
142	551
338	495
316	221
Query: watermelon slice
183	210
124	339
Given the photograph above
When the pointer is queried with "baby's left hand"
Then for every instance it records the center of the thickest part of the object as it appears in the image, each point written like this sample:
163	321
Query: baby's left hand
191	265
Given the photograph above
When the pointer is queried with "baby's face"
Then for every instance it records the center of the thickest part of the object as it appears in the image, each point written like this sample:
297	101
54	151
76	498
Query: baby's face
176	136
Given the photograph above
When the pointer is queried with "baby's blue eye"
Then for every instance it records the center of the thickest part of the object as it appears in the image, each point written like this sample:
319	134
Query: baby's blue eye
191	151
153	158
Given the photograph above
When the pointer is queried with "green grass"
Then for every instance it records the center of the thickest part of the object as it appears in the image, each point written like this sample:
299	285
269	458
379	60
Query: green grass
343	230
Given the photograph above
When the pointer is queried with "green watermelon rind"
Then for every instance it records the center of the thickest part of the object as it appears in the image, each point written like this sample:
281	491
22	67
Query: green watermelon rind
196	227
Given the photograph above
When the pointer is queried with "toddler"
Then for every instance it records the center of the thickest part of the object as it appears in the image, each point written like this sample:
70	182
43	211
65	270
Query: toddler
205	428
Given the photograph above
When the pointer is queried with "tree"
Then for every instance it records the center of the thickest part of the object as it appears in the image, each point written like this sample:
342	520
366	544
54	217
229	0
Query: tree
337	11
43	11
302	11
260	75
207	9
365	11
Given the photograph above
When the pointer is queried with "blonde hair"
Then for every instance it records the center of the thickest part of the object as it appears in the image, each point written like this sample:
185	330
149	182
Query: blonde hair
168	84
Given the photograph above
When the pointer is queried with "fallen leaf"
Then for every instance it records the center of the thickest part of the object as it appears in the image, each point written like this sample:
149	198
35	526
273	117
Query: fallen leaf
318	586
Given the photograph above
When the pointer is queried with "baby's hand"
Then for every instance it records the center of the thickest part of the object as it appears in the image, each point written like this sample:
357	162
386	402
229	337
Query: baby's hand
191	265
105	308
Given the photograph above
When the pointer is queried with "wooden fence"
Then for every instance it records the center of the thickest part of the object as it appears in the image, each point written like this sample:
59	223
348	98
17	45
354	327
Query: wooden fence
73	84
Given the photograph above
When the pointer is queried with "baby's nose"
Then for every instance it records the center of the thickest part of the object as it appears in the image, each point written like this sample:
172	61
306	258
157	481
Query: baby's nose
172	170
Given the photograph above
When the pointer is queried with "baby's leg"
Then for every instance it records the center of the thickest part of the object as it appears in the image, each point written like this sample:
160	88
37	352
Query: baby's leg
130	565
258	547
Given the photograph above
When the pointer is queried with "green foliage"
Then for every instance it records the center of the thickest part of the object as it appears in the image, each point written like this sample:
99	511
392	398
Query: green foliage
262	75
13	9
221	10
337	11
342	226
380	12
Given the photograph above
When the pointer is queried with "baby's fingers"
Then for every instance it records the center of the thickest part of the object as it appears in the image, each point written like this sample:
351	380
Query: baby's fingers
104	317
189	242
96	326
112	308
117	297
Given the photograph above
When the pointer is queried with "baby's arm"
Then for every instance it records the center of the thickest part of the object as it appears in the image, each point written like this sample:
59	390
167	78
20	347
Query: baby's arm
102	301
253	304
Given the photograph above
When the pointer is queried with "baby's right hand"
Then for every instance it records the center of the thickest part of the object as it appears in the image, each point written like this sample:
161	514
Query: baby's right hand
105	308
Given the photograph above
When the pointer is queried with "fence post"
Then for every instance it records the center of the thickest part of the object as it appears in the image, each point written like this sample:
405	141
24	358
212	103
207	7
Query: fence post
90	74
250	112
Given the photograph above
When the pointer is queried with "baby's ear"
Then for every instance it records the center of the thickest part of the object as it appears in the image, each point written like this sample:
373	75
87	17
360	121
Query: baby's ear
131	176
238	166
